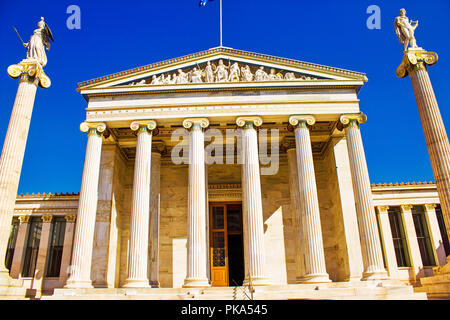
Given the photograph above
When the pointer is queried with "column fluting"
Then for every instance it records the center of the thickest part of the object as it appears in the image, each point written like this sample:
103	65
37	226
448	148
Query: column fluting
80	268
253	223
367	222
314	252
196	275
137	267
12	159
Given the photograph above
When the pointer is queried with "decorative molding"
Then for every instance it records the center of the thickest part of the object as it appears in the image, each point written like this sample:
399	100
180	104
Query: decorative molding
224	192
414	60
254	120
99	127
30	68
194	122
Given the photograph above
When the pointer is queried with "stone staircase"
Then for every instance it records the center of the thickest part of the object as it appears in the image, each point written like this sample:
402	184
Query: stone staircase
332	291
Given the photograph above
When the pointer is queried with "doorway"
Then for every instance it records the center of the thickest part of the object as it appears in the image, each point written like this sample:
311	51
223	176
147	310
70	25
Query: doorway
226	244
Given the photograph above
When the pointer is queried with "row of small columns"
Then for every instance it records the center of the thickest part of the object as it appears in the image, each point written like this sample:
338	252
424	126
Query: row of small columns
41	262
308	214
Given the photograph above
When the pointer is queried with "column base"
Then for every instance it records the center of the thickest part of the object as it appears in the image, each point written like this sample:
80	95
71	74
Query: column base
134	283
316	278
257	281
196	283
78	284
155	284
375	275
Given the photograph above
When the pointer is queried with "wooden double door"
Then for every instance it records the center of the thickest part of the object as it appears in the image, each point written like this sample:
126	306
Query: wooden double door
226	244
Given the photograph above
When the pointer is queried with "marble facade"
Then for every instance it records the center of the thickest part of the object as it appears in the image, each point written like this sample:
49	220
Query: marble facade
141	220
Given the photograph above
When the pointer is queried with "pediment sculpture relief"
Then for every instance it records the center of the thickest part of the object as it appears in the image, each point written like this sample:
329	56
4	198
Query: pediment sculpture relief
210	73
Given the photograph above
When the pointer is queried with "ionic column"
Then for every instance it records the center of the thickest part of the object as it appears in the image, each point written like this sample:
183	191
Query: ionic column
153	272
386	234
289	145
435	232
253	223
67	249
415	64
39	273
368	228
316	271
140	212
80	269
196	275
19	250
31	75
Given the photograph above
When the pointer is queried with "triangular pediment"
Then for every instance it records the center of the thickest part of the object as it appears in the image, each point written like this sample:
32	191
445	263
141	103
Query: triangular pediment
221	66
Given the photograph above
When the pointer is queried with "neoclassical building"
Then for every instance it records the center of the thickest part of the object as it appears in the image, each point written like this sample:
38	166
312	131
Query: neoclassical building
227	168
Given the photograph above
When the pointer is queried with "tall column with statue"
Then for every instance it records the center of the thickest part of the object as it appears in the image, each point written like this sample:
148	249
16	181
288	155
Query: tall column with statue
31	75
415	62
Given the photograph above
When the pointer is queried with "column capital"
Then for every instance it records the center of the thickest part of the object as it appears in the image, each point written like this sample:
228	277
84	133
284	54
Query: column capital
70	217
47	218
430	206
27	69
383	209
250	121
143	125
302	120
92	127
24	219
406	207
192	123
352	119
416	60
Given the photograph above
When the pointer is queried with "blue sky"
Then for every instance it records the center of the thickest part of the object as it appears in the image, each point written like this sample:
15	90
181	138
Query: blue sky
119	35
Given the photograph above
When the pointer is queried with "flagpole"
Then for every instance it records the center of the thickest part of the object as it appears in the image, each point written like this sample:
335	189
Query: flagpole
220	22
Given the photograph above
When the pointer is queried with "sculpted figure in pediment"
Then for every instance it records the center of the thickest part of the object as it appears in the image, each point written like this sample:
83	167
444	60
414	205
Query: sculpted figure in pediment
289	76
261	75
182	77
235	73
209	74
274	75
221	72
246	73
196	75
156	80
